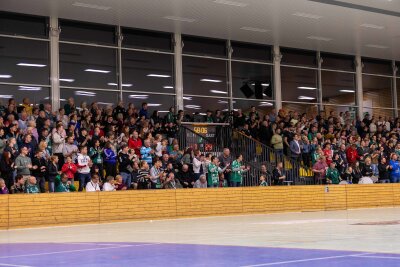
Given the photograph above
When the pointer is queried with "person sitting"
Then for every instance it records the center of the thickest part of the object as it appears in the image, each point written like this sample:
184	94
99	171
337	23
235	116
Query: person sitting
63	184
109	185
201	182
19	186
171	182
384	171
263	181
277	174
186	177
31	187
3	187
119	184
348	175
332	174
93	185
319	170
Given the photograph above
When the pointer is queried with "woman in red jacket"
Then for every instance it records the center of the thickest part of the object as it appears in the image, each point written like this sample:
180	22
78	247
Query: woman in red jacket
69	168
352	155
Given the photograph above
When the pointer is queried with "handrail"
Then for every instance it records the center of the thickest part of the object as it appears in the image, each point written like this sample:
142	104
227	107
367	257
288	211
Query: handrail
205	123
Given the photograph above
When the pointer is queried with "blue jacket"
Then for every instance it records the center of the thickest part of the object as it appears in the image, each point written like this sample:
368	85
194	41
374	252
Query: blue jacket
110	156
395	168
145	153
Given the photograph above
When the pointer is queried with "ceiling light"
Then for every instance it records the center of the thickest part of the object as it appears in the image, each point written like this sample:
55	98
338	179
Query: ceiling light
123	85
62	99
231	3
139	96
211	81
372	26
306	15
187	98
158	75
29	88
319	38
168	87
218	92
254	29
31	65
67	80
153	105
180	19
347	91
6	96
265	104
99	71
104	103
263	84
163	111
305	98
306	88
377	46
85	93
192	107
92	6
5	76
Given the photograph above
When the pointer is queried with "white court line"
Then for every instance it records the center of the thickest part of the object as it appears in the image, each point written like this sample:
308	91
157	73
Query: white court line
305	260
13	265
76	250
84	243
378	257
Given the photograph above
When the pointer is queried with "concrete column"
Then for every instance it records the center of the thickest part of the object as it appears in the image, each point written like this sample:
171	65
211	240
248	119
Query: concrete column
230	89
120	38
359	85
319	80
54	34
394	89
178	71
277	56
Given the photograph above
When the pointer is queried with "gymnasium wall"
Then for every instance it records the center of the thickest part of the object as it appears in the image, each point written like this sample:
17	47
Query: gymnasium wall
22	211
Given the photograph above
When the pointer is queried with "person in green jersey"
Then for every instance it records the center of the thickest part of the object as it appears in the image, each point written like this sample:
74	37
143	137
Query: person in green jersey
213	172
63	185
332	174
263	181
237	172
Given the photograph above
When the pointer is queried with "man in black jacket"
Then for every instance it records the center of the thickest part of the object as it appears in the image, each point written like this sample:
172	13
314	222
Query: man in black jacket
384	171
125	160
186	177
39	168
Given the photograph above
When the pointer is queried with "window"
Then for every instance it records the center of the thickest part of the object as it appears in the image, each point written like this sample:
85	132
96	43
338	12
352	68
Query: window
87	32
161	103
379	112
262	107
36	95
203	76
103	98
374	66
147	39
299	85
338	88
147	72
245	76
337	62
248	51
87	66
298	57
17	24
204	46
310	109
377	91
24	61
202	104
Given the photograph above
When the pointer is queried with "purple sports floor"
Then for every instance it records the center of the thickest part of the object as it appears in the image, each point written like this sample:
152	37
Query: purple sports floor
169	255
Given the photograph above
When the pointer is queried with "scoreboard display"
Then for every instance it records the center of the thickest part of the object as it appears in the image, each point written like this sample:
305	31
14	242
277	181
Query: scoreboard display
202	134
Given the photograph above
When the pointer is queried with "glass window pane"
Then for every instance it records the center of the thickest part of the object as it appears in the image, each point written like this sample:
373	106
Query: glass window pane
377	91
262	107
204	46
37	97
87	66
203	76
299	57
161	103
337	62
333	110
375	66
87	32
338	88
17	24
248	51
147	39
299	85
149	72
245	76
24	61
310	109
202	104
379	112
103	98
398	92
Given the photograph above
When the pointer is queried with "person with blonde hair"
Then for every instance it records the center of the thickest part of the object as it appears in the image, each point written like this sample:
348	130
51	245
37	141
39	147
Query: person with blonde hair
52	172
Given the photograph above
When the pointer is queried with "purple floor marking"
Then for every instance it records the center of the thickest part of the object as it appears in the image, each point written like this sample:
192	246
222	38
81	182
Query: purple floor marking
162	255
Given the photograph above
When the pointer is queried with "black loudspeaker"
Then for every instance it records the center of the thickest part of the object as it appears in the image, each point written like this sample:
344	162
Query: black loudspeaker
259	90
246	90
268	91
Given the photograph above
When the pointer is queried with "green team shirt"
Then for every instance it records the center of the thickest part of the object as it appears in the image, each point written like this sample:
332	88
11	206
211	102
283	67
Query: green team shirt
236	172
333	175
213	177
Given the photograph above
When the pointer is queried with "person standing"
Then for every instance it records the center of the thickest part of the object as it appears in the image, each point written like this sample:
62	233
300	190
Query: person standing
39	169
83	164
225	161
213	172
52	172
125	161
277	174
58	138
237	172
23	163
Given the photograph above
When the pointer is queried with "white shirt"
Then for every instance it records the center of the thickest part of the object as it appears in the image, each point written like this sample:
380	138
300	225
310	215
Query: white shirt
108	187
83	160
196	165
92	187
